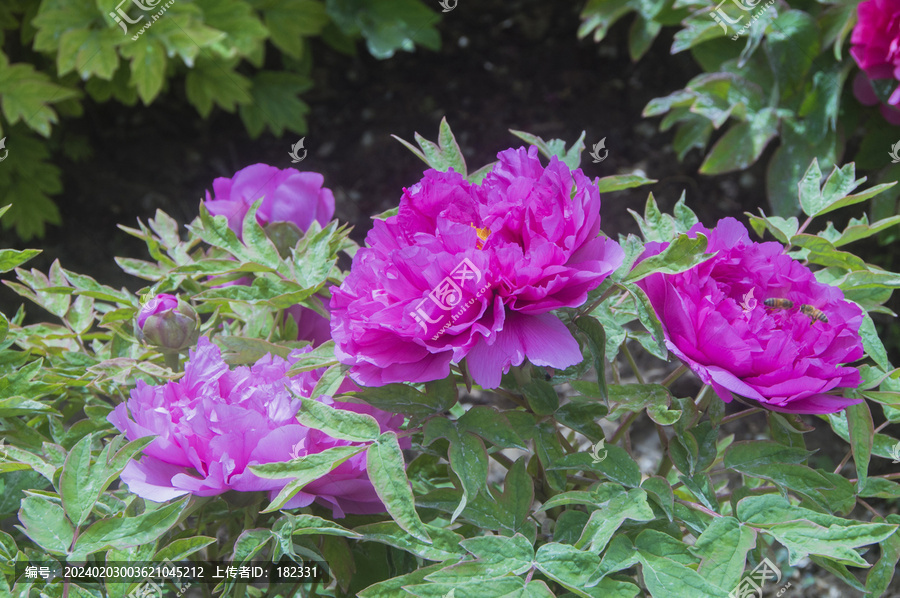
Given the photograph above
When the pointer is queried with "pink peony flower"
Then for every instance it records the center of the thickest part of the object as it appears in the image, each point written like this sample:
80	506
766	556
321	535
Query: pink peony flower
288	196
716	321
474	271
876	48
213	423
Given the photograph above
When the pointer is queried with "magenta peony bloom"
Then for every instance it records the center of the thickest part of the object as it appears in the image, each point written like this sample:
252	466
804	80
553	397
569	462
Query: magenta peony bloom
168	324
716	321
214	423
876	48
288	196
474	271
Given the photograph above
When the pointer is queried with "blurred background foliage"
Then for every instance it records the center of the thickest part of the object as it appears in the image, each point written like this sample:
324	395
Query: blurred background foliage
251	57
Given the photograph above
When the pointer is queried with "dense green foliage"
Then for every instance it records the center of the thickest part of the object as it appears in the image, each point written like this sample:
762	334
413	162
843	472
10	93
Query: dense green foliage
56	55
781	74
574	515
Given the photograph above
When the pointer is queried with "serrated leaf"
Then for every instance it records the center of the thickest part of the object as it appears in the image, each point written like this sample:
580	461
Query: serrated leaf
338	423
302	471
387	471
46	524
77	486
682	254
120	532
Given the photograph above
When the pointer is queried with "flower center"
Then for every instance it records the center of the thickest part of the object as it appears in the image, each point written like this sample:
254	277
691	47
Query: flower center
483	234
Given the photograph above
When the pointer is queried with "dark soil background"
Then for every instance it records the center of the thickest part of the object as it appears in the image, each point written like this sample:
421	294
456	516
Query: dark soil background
503	65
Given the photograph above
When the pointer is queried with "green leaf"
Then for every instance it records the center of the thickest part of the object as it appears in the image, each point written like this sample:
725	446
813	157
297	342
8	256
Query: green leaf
392	588
92	52
490	425
791	160
470	589
671	579
468	459
303	470
331	381
121	532
805	532
77	486
46	524
556	147
182	548
13	258
239	350
401	398
618	182
596	337
387	25
497	556
742	144
723	549
879	578
752	454
862	431
262	250
572	568
648	319
27	95
617	466
276	103
210	82
387	472
289	20
682	254
338	423
604	522
541	396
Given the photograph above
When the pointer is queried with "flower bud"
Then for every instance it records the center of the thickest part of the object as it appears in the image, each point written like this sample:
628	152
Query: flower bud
168	323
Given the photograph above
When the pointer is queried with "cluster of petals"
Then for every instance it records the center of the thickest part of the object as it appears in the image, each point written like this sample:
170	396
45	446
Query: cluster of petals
876	48
474	271
716	320
212	424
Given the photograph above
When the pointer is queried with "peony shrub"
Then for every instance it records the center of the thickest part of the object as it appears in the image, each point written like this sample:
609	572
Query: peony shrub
575	415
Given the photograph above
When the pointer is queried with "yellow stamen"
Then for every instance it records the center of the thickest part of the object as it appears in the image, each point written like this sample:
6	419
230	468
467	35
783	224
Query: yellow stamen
483	234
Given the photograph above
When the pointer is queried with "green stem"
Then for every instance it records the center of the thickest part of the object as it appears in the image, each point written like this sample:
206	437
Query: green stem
697	507
172	360
606	295
624	427
664	467
739	415
675	375
632	363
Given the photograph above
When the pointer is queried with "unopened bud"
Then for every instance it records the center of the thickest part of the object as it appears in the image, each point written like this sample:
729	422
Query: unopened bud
168	323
